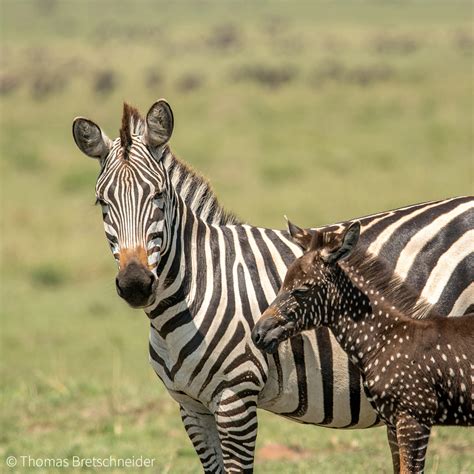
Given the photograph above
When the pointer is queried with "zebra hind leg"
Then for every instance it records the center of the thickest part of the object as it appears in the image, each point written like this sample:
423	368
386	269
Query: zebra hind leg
412	437
393	443
202	431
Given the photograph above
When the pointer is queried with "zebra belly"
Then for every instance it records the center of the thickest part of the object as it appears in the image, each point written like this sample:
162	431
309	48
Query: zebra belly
312	381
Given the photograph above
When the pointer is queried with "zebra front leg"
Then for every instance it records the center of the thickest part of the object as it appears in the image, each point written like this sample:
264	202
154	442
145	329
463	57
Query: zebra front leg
393	443
202	431
412	437
236	420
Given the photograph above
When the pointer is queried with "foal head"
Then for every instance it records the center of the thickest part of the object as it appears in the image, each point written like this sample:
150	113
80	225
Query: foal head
310	290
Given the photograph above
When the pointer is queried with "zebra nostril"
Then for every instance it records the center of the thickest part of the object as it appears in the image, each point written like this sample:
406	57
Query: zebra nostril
152	281
117	285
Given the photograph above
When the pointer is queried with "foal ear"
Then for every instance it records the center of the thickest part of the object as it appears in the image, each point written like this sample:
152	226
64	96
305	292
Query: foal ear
299	236
90	139
159	123
345	245
317	241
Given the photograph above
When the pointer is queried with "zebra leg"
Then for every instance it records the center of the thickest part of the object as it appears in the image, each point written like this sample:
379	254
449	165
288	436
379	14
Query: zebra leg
236	420
412	437
201	429
393	443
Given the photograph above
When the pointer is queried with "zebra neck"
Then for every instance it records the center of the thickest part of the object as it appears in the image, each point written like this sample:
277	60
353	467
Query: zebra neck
193	273
209	265
173	279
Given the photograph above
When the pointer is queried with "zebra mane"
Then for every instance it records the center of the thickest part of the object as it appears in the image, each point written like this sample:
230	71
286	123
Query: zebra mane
132	123
373	273
197	192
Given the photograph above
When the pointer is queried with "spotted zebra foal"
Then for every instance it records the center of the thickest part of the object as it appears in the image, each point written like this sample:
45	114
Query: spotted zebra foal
417	372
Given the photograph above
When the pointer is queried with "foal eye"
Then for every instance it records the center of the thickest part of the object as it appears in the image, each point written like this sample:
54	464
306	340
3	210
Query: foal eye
301	289
158	195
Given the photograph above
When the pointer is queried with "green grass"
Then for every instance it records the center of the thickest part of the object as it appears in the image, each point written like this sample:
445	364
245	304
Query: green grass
318	111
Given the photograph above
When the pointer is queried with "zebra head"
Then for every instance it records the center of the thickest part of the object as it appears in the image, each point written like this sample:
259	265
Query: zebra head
310	293
132	190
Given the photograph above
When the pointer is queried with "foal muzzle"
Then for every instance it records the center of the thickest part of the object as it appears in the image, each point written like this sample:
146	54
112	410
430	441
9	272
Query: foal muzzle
270	331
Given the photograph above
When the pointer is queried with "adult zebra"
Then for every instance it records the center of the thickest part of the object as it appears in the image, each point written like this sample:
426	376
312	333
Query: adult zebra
203	278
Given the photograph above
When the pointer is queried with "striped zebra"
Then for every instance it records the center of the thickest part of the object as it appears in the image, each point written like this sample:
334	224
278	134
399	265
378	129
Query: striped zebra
203	278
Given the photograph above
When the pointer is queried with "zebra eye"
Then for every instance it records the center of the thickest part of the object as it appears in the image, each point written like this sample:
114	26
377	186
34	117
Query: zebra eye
158	195
100	201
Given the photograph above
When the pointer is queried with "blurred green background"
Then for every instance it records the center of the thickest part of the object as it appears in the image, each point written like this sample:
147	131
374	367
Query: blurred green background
321	111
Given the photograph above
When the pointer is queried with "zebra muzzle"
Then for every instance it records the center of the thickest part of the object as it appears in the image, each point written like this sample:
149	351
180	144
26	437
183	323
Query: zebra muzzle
136	284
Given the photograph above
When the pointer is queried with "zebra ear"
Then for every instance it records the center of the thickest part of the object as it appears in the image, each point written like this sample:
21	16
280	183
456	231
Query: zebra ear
159	124
344	246
299	236
90	139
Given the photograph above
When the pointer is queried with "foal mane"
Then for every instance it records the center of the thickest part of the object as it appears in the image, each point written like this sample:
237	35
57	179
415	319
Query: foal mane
377	276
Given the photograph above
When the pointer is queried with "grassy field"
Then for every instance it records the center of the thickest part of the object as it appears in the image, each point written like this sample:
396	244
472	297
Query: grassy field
318	111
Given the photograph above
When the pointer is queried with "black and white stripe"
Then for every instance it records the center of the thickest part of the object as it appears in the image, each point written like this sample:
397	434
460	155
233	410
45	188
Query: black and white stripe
217	275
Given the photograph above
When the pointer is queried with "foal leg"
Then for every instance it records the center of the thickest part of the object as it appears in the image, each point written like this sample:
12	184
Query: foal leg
412	437
393	443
